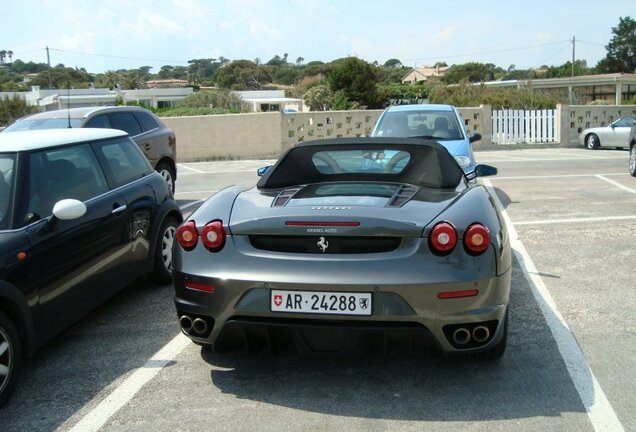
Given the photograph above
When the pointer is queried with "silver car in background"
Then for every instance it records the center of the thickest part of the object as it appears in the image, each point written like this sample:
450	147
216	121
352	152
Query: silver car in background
615	134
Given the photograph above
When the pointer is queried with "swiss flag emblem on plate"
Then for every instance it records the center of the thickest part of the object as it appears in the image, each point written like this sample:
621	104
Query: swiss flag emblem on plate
278	300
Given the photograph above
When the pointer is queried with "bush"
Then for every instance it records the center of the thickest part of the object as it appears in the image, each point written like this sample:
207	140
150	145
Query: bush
186	111
12	109
465	95
222	99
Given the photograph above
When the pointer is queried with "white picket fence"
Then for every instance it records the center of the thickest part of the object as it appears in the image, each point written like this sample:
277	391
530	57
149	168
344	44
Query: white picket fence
525	126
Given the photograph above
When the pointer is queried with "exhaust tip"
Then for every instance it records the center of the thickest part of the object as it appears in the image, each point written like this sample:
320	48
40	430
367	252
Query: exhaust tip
199	326
481	334
186	323
461	336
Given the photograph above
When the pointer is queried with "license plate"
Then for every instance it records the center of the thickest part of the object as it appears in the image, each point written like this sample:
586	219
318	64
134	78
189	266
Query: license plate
321	302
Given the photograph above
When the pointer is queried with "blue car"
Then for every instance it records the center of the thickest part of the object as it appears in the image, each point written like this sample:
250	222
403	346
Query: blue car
441	123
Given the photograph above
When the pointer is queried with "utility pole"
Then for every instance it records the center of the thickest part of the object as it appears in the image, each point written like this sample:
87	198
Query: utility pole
573	53
48	61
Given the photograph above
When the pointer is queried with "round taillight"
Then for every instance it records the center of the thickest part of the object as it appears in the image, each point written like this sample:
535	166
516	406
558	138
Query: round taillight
213	235
443	238
476	238
187	235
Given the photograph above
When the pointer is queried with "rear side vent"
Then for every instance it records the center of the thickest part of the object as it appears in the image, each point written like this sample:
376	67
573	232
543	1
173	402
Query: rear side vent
403	195
283	198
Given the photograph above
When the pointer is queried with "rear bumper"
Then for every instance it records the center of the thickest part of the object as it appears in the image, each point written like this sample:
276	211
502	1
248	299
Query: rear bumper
238	314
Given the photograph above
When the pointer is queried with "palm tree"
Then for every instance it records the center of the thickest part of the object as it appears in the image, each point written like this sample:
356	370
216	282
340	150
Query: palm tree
10	54
3	56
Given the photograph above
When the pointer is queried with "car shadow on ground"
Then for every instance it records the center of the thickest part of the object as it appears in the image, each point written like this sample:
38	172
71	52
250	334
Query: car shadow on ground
531	380
88	357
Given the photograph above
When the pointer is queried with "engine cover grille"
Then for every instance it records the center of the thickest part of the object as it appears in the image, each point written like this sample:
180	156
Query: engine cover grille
325	244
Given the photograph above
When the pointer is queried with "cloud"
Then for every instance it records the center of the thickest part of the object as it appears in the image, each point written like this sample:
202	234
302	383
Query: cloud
264	32
151	23
227	25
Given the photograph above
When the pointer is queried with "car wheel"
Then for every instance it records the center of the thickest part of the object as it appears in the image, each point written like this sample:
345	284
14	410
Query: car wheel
592	142
632	160
167	173
162	271
10	357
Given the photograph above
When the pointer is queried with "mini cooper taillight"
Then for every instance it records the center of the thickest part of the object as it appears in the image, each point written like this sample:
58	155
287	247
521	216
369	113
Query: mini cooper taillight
187	235
443	238
476	239
213	236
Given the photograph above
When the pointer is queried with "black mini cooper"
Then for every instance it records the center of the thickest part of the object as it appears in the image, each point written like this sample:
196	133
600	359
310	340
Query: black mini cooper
82	214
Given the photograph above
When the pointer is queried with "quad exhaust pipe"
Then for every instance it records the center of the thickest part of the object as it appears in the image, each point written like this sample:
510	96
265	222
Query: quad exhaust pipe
461	336
197	326
479	334
186	323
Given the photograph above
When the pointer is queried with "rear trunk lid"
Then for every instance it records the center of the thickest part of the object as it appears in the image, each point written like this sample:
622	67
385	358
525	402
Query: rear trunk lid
339	209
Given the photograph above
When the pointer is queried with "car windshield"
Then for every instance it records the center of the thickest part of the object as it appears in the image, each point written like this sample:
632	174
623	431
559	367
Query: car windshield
43	123
7	179
429	124
416	162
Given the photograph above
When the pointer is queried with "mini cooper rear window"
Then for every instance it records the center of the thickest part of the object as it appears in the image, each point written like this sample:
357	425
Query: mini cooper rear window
361	161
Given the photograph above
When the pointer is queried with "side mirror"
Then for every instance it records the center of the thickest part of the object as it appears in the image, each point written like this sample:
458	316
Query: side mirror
69	209
263	170
66	209
474	137
485	170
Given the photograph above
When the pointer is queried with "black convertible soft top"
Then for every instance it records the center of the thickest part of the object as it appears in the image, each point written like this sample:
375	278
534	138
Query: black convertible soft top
429	163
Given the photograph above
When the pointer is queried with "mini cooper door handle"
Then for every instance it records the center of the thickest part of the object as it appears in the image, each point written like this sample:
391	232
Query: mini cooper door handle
119	209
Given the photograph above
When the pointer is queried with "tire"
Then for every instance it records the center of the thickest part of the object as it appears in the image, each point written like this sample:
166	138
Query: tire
168	174
10	357
632	160
592	142
162	269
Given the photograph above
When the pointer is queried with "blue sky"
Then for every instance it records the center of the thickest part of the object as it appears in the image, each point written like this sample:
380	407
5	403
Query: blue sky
125	34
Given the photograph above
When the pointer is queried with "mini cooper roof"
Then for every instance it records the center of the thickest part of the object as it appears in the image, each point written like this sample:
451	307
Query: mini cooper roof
79	112
37	139
429	163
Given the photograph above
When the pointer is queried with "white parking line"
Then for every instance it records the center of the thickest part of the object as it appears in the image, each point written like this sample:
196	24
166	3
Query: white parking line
574	220
599	410
555	176
625	188
190	168
119	397
193	203
548	159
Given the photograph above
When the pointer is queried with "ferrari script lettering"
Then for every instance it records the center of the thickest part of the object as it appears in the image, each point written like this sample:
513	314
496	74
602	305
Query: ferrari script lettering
322	230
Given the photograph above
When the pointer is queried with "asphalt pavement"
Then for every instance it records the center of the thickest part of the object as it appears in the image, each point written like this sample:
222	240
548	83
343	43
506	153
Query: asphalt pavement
569	364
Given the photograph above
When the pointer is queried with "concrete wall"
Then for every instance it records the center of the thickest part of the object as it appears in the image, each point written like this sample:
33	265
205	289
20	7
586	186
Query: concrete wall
267	135
300	127
576	118
230	136
478	120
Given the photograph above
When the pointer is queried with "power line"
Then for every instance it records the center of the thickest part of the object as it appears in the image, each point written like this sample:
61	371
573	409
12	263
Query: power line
15	54
591	43
553	55
118	57
488	52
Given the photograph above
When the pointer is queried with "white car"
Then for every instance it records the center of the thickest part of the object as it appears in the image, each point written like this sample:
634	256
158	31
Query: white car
615	134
